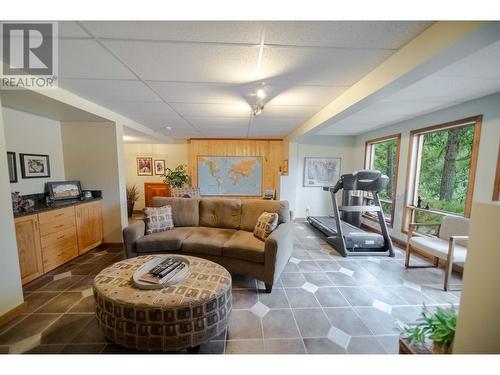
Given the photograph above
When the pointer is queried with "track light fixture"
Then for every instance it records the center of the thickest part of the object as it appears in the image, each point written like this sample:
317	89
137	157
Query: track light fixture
257	109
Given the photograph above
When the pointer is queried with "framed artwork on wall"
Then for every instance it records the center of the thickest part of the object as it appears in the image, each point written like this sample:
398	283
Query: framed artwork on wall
159	167
321	171
34	166
11	162
144	166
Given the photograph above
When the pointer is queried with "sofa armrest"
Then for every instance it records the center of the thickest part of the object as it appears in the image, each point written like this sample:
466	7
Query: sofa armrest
131	234
278	250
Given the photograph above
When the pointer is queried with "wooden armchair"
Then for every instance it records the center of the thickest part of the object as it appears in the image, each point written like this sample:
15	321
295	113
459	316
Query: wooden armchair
449	245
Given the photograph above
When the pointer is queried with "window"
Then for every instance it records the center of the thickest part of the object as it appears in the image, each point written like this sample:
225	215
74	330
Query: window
383	154
442	170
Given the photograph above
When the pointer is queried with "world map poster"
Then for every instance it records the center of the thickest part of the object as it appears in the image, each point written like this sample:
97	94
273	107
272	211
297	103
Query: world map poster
230	175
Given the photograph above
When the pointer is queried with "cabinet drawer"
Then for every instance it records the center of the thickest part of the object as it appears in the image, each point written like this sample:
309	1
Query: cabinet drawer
62	213
56	225
60	239
54	257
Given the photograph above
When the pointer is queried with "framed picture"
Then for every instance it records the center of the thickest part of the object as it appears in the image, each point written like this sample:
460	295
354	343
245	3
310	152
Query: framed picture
159	167
11	162
285	167
60	190
34	166
321	171
144	166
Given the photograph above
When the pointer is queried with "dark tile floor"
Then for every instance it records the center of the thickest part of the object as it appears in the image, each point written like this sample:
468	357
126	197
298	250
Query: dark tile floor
323	303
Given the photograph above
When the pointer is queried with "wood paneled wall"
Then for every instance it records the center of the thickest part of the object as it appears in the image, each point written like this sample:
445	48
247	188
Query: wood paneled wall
271	151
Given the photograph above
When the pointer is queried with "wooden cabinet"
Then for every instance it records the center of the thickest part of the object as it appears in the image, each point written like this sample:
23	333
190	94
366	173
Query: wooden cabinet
88	226
58	237
49	239
155	189
28	246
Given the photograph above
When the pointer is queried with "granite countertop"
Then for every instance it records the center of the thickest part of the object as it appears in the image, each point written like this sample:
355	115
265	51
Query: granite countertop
43	207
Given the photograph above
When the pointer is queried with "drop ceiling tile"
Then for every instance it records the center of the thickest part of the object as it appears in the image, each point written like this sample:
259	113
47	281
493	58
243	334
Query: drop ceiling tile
305	95
212	110
345	34
482	65
224	133
70	29
204	123
108	91
81	58
318	66
450	88
185	92
164	61
289	111
191	31
147	112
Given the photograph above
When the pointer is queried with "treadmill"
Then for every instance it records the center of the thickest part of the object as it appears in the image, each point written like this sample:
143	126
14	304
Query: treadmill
343	228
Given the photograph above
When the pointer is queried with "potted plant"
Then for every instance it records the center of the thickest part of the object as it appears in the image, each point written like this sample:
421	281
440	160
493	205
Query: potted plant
438	327
177	177
132	197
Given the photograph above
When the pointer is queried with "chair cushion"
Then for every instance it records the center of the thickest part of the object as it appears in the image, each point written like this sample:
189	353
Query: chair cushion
244	245
158	219
268	221
206	240
251	209
170	240
438	247
185	211
454	226
220	213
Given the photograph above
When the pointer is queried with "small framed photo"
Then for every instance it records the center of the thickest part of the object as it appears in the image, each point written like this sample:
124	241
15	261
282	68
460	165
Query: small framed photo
60	190
285	167
11	162
144	166
34	166
159	167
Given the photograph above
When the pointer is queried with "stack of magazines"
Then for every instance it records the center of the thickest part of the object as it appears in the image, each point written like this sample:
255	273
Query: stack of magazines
164	271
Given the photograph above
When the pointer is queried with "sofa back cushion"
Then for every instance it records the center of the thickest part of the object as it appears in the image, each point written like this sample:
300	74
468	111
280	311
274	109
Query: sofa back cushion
251	209
220	213
185	211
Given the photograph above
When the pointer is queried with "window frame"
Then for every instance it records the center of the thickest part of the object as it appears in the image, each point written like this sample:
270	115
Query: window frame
413	167
369	151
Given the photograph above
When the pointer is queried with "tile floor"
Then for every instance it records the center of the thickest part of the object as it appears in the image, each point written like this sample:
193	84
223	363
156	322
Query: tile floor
323	303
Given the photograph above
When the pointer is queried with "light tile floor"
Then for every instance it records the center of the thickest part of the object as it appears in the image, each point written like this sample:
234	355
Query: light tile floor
323	303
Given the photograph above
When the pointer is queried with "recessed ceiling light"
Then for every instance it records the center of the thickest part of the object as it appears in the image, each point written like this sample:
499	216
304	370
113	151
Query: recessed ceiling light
168	127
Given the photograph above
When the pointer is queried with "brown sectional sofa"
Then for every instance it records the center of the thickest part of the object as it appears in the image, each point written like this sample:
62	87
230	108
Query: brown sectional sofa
220	230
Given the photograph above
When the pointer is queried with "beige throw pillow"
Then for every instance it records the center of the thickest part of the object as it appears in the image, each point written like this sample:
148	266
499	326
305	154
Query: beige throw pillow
158	219
267	222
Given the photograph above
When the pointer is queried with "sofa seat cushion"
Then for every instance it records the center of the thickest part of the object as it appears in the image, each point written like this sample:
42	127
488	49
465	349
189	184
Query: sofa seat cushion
204	240
245	246
170	240
439	248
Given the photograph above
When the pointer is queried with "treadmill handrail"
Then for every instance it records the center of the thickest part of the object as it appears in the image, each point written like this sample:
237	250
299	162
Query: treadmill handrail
359	208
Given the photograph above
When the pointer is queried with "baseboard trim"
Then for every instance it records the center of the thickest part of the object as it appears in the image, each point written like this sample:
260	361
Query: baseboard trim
113	245
13	314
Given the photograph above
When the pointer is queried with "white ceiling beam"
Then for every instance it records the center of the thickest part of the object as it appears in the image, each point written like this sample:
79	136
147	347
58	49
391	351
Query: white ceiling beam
438	46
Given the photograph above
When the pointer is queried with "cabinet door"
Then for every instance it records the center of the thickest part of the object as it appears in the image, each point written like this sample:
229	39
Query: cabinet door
155	189
29	248
88	226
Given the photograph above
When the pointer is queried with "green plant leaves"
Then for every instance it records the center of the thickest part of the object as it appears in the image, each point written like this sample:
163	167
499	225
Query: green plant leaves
438	327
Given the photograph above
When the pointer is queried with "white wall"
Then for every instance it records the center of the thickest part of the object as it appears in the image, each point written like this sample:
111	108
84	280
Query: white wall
31	134
488	106
10	278
292	187
478	325
92	155
173	154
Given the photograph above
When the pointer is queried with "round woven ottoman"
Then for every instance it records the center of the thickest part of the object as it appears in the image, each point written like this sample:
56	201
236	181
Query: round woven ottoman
174	318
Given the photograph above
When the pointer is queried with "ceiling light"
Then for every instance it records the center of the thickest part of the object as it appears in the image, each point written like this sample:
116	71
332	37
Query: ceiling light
168	127
257	109
261	94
